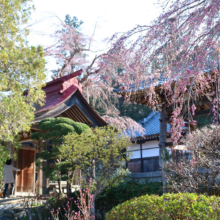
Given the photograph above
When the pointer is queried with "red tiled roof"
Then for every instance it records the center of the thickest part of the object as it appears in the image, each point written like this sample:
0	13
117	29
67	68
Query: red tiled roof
59	90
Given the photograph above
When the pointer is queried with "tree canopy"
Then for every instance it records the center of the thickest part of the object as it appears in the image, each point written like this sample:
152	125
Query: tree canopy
98	154
53	131
21	70
73	22
178	51
198	173
71	51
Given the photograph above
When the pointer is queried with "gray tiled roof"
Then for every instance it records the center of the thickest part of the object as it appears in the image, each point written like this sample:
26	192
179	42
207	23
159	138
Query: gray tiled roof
151	125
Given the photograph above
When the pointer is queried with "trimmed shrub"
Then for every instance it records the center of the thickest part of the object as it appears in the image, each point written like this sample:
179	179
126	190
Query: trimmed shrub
169	207
124	191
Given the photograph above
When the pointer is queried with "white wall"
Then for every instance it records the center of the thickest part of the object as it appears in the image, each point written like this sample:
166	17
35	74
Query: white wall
150	144
150	152
135	154
149	149
133	147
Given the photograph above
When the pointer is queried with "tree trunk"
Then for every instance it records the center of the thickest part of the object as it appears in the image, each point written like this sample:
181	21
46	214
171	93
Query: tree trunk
162	141
93	208
93	169
94	196
68	188
60	191
69	182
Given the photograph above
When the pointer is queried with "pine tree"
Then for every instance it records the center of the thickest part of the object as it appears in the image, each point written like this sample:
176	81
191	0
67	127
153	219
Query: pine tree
50	161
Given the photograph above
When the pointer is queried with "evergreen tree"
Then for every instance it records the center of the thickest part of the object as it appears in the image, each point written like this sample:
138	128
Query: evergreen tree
73	22
52	132
98	155
21	69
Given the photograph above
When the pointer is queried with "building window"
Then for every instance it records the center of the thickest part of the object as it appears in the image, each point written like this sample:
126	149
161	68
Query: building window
151	164
134	166
144	158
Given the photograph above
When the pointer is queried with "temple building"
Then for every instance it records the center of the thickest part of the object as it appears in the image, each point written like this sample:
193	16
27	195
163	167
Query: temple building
64	98
144	158
138	93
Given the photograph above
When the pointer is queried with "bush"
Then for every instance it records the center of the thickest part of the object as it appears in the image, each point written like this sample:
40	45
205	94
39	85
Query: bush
58	202
168	206
124	191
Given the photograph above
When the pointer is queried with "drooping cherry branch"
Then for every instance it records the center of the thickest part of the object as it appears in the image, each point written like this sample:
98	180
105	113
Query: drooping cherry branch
178	53
98	78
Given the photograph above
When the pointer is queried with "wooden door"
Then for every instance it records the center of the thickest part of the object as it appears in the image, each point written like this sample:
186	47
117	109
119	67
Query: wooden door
25	177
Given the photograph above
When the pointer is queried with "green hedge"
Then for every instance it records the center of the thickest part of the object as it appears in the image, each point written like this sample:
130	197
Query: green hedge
169	207
124	191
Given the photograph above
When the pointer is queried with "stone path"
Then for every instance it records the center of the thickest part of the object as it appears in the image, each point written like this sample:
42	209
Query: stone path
13	209
10	200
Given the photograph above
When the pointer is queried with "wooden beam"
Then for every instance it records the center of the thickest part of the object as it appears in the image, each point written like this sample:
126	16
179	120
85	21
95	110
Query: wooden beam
207	106
40	177
168	144
203	112
28	148
142	164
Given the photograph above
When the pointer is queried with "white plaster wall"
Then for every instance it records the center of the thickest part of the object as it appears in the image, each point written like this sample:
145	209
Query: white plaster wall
133	147
150	144
149	149
135	154
150	152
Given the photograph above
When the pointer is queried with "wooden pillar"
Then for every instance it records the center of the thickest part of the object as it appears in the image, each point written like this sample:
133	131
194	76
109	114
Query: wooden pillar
15	173
40	182
162	140
142	163
40	173
34	178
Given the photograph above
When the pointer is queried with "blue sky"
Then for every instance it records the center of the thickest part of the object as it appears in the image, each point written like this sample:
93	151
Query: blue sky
110	15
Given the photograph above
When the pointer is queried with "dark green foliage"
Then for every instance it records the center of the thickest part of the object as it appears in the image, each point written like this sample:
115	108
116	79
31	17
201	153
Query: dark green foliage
56	128
36	136
58	203
73	22
80	127
63	120
131	110
134	111
55	203
168	206
125	109
126	190
54	173
52	133
44	123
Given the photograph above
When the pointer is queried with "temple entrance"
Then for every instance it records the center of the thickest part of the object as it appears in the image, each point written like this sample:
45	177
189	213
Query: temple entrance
25	177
